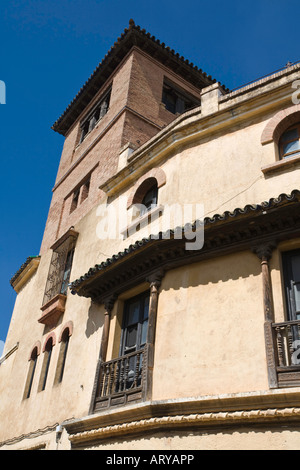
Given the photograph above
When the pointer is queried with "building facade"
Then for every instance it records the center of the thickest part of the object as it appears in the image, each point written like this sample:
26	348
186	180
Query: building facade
162	311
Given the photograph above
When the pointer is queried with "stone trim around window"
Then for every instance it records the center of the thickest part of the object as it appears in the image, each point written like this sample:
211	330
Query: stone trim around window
138	190
279	123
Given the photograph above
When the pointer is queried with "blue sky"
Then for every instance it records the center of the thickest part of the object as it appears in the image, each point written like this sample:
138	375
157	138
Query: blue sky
50	48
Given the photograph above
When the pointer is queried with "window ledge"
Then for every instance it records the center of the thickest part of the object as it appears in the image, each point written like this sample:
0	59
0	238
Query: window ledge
52	310
281	164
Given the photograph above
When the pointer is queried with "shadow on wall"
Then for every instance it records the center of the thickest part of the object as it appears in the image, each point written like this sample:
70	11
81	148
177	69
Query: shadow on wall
214	271
95	319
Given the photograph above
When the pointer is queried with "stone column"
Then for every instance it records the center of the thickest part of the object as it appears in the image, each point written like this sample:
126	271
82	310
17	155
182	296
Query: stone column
155	282
264	252
108	304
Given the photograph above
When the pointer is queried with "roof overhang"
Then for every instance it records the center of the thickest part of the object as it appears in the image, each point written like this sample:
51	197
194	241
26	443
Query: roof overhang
133	36
25	272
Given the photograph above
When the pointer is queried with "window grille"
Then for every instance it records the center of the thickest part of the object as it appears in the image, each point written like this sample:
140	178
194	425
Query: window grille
60	270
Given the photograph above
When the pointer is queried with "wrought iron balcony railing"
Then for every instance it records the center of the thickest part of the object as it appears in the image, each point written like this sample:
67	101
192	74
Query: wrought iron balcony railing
121	380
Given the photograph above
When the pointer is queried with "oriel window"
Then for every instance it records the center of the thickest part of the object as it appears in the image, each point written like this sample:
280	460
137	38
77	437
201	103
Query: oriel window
60	268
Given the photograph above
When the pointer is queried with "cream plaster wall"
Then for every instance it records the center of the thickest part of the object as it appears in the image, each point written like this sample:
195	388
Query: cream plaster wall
210	318
210	329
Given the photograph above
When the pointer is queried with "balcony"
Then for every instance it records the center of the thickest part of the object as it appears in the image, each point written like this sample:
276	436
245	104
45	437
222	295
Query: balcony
286	337
121	380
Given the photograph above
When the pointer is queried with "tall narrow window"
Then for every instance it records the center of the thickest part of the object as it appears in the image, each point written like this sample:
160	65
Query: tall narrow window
177	100
150	199
60	268
46	364
85	190
67	272
62	356
291	264
31	372
134	333
75	199
96	114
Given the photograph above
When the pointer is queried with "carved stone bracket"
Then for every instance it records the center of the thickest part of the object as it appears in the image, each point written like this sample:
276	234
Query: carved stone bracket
109	303
156	278
264	251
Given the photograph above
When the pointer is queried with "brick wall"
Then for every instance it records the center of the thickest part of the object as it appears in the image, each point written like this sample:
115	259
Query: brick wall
135	115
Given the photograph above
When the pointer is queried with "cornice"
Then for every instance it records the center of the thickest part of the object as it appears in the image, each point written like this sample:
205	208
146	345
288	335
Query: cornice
204	420
249	408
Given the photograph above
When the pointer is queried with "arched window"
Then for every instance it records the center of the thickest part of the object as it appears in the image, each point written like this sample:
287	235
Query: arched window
145	197
289	142
65	338
150	198
46	363
31	371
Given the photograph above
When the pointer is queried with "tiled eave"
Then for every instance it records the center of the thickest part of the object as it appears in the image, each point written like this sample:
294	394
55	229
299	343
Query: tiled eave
133	36
25	272
277	219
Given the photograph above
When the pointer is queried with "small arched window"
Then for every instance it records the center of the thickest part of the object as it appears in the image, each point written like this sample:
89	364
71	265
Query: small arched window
289	142
150	198
46	363
146	195
31	371
65	337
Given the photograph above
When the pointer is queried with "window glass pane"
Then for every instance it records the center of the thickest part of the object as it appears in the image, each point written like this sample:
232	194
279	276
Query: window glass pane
291	147
131	337
297	296
144	332
292	155
146	308
290	135
295	262
133	313
67	272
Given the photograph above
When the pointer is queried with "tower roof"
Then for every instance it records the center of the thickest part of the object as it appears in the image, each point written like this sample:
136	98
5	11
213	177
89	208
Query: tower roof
132	36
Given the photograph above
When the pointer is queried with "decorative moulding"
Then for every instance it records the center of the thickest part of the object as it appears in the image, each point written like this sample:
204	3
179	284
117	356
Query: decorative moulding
228	418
